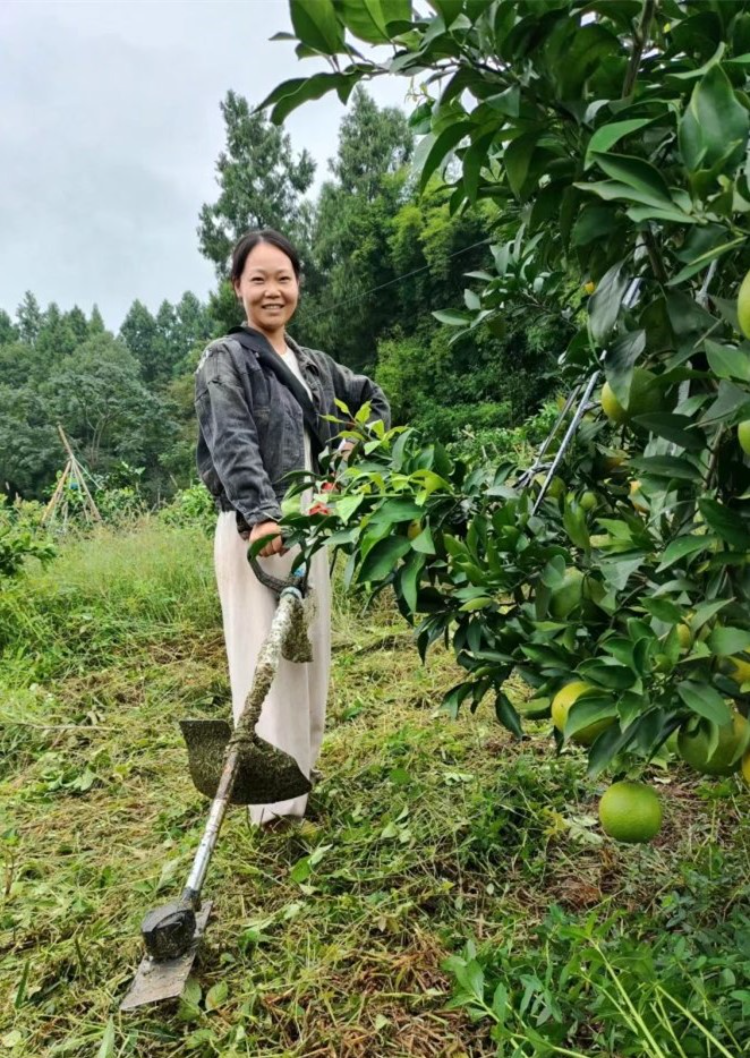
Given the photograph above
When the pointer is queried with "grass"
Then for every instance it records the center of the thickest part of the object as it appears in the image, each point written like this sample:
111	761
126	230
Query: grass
436	853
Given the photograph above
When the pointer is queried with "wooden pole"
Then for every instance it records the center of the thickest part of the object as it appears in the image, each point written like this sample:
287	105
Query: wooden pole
50	508
79	475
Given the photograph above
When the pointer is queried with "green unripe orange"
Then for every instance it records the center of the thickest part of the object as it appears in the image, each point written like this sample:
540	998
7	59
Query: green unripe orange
743	306
726	759
415	528
630	812
645	397
743	436
684	635
567	597
564	701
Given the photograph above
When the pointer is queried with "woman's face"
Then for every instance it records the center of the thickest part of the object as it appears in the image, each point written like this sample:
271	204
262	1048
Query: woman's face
268	288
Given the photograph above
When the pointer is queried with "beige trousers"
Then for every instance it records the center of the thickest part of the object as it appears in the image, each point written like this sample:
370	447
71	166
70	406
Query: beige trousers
293	716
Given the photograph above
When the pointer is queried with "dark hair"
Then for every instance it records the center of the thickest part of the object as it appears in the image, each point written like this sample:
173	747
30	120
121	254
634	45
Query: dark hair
250	240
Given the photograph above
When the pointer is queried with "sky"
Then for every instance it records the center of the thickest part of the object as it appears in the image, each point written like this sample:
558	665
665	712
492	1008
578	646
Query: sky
110	129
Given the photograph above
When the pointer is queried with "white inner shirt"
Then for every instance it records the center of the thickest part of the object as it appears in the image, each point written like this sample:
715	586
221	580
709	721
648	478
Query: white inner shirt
290	359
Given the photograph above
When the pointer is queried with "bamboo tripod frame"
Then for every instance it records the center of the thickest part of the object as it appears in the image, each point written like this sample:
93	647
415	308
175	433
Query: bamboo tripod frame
72	474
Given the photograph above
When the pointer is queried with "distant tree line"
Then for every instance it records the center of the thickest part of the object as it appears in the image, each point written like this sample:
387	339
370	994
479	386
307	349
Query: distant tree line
378	261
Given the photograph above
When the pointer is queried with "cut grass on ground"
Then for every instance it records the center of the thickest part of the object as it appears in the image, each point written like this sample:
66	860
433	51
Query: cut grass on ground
326	939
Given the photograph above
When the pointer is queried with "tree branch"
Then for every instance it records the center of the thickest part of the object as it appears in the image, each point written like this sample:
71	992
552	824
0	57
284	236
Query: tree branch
640	40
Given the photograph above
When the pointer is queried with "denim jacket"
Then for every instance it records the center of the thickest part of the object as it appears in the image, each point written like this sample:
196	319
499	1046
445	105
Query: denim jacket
251	428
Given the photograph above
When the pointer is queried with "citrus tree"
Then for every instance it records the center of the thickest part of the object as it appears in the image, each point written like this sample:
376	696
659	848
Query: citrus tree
613	139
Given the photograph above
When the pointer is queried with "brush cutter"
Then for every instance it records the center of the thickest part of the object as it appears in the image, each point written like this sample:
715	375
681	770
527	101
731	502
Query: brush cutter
231	766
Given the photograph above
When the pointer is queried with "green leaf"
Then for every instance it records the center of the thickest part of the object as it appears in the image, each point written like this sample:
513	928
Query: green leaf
700	262
217	995
189	1008
616	190
608	745
347	505
619	361
479	602
587	711
367	19
398	509
731	405
675	216
554	572
507	715
705	701
726	641
608	135
676	428
714	121
663	610
409	579
424	542
452	318
449	10
439	149
615	676
107	1048
594	222
508	102
383	558
517	158
728	524
667	467
317	26
574	522
681	548
293	93
705	612
727	361
605	302
474	158
301	871
637	174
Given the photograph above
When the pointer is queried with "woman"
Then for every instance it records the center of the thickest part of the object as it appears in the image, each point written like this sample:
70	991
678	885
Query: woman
252	433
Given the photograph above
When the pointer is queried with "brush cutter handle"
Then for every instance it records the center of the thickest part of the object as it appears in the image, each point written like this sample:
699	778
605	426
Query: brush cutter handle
276	584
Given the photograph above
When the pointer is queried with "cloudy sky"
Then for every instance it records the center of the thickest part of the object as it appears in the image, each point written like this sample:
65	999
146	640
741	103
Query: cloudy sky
109	132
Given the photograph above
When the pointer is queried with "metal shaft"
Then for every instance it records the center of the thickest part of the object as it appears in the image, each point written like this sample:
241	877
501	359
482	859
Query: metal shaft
212	828
265	670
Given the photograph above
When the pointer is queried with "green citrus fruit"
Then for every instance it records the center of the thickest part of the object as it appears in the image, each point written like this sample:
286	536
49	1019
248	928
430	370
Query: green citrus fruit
636	495
737	668
415	528
733	739
671	743
612	463
556	488
630	812
743	306
645	397
743	436
684	635
588	500
564	701
567	597
662	663
746	767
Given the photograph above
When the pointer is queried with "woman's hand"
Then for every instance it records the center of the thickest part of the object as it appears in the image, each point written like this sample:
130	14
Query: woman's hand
273	547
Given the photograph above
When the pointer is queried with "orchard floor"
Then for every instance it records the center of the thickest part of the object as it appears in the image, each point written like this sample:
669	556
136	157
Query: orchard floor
329	938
